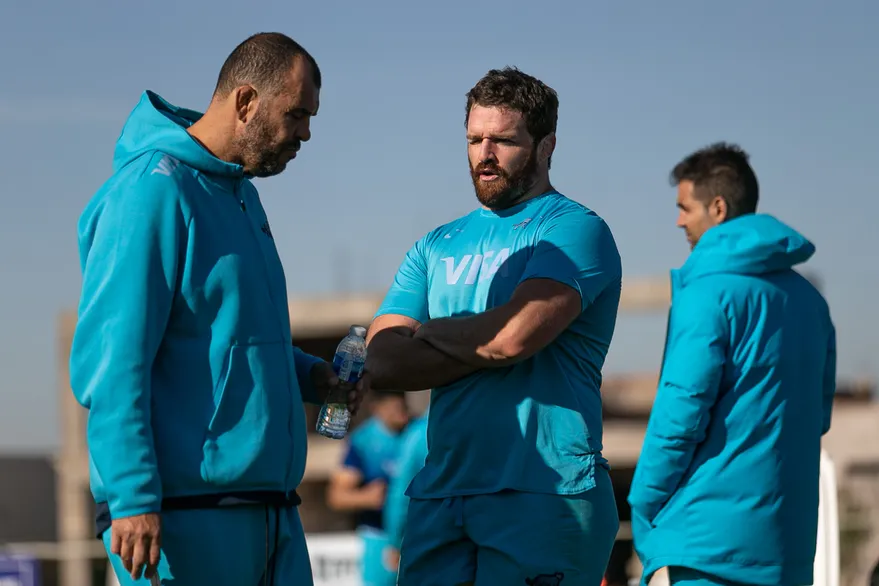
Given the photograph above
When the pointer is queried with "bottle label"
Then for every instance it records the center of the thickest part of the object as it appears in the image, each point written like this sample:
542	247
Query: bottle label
348	368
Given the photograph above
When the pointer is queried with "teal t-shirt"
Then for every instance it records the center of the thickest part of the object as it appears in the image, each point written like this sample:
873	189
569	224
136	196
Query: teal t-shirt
536	425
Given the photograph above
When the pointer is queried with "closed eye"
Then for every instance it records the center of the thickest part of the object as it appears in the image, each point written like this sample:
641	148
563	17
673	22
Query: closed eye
495	139
299	114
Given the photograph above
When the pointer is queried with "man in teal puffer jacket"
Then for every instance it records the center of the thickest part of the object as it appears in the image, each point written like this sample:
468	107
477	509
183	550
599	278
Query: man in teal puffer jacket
726	488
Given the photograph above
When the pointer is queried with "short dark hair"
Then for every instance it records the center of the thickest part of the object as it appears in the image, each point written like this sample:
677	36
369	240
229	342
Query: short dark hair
721	169
262	60
512	89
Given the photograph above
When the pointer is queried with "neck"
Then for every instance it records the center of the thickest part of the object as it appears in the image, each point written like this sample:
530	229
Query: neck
541	186
213	135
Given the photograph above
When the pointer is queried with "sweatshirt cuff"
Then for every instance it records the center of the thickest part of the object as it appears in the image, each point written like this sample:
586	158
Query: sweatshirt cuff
304	363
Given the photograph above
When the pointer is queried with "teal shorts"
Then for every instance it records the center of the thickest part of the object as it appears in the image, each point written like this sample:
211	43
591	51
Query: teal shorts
510	538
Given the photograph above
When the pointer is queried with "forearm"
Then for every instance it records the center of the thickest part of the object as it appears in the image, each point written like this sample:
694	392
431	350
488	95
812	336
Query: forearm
640	530
122	452
537	313
471	340
666	456
112	381
350	500
655	481
401	362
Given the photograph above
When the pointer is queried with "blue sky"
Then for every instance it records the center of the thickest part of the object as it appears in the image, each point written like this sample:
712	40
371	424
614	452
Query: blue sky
641	84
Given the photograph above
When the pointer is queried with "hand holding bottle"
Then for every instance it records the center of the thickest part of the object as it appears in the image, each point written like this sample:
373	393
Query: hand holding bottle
326	383
348	363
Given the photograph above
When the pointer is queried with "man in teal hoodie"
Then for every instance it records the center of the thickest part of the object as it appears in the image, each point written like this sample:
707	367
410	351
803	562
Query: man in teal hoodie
182	352
726	487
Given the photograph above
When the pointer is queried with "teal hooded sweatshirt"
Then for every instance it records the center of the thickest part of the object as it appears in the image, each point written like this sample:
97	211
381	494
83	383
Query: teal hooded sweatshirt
727	479
182	352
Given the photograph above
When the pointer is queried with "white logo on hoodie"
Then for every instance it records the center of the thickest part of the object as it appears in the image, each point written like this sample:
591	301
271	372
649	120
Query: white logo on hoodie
166	166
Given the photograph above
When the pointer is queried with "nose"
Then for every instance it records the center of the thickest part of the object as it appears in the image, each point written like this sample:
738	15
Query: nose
486	151
305	130
681	220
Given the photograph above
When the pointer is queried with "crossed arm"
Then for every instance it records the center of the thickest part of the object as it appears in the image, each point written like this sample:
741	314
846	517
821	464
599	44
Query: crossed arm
571	265
407	355
395	359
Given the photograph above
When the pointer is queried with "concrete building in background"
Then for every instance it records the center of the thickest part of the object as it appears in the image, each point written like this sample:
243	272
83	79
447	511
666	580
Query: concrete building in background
318	324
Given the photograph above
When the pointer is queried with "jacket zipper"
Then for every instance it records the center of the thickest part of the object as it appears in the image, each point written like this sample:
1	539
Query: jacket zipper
243	205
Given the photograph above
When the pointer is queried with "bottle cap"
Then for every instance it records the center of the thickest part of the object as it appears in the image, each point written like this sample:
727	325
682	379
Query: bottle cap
358	331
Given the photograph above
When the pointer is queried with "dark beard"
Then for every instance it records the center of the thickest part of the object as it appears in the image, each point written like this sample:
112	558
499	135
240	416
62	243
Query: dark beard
508	188
260	159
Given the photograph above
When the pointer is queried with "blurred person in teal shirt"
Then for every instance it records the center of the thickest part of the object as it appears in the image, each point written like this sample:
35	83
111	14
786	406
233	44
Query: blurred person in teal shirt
413	453
360	484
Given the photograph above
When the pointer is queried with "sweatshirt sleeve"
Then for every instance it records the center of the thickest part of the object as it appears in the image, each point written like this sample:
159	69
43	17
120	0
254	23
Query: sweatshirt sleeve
698	334
131	244
304	363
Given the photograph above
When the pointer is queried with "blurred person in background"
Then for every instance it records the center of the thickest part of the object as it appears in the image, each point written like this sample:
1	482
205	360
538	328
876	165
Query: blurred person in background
726	486
413	453
360	484
182	352
507	314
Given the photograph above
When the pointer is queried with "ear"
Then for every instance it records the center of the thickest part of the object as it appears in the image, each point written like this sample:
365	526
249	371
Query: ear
246	102
718	210
546	147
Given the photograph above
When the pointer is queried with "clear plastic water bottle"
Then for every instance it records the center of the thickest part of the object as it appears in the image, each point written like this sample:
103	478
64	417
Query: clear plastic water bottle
348	364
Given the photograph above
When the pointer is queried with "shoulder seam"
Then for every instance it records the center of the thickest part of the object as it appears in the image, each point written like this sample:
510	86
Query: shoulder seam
180	196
